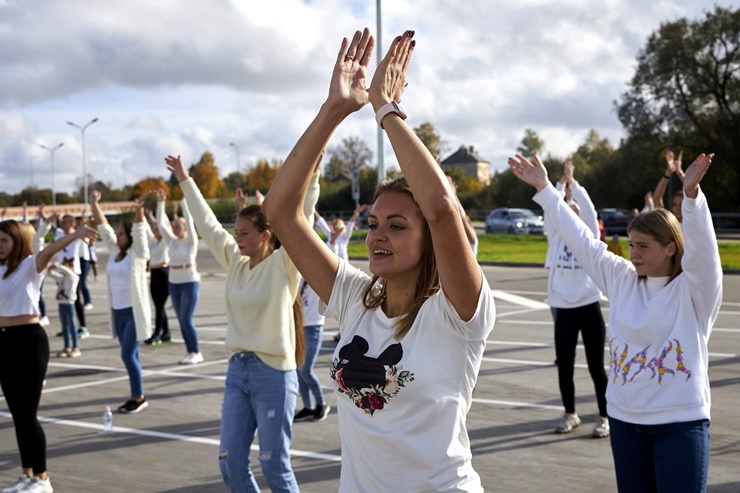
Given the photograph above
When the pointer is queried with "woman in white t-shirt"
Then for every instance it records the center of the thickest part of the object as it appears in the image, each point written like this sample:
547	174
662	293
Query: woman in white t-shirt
24	345
413	333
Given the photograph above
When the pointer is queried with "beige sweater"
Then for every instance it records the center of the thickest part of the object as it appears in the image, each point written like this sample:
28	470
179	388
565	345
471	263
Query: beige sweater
259	300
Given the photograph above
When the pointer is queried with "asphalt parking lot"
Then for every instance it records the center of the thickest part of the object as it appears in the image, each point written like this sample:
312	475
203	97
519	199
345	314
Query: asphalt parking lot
172	446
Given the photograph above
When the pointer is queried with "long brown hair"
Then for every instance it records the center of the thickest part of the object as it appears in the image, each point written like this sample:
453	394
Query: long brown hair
21	246
127	227
428	282
253	213
662	225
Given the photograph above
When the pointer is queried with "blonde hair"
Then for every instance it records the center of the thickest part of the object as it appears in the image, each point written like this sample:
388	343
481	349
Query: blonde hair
663	227
428	282
338	224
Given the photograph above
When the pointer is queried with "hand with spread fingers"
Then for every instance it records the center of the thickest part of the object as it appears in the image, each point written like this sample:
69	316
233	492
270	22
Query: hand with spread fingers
175	166
533	174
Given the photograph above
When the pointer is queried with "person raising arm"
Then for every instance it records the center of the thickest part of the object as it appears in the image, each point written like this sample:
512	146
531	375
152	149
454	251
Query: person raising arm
413	333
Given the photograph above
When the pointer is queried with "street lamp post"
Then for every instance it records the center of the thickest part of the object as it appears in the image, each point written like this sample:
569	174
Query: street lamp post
52	150
84	160
237	156
30	167
379	55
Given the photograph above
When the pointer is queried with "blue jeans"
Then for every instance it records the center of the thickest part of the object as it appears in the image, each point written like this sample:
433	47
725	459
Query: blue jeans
123	321
672	457
69	328
184	299
84	269
308	382
258	398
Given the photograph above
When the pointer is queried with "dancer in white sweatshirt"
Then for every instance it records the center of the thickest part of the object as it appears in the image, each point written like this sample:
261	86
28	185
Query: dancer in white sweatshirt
664	302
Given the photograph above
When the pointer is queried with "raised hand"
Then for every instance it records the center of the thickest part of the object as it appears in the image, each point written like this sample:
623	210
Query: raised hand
94	196
389	79
568	169
240	198
85	232
175	166
695	173
533	174
347	89
259	198
161	195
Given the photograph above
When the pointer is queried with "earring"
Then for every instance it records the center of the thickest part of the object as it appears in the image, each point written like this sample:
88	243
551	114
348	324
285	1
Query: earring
378	288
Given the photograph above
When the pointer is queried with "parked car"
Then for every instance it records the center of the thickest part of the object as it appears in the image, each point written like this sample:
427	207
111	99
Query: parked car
514	221
615	220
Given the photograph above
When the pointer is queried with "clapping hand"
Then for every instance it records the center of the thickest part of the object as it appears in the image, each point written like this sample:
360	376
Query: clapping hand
347	89
240	198
389	80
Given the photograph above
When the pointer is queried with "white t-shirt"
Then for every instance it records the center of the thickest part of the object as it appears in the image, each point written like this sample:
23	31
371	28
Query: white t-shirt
19	293
67	282
119	280
310	301
402	404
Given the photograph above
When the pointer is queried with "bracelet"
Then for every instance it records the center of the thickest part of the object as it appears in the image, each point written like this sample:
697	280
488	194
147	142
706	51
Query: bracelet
666	175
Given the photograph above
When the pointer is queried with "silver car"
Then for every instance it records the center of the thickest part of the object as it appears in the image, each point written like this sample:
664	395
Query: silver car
514	221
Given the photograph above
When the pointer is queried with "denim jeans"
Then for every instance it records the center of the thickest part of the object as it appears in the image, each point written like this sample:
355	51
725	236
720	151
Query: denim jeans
184	299
123	321
84	269
308	383
69	329
671	457
257	397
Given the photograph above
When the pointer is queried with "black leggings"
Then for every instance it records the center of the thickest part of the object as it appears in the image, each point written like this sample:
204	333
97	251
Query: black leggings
80	307
568	322
159	287
24	357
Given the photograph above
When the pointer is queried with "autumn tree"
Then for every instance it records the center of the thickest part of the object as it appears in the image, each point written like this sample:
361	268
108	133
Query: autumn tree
261	176
150	185
205	175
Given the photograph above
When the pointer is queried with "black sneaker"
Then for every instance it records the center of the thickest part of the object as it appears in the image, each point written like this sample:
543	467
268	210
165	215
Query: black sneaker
321	412
166	337
153	341
132	407
305	414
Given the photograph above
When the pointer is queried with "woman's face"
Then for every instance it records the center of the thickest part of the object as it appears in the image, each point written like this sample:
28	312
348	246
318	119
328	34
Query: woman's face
249	239
649	257
395	240
178	229
121	238
6	245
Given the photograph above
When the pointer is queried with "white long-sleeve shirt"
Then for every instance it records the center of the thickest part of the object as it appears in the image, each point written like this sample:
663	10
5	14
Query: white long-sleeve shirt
183	251
568	285
658	332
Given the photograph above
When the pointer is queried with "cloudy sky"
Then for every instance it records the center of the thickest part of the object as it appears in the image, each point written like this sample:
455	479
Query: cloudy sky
188	76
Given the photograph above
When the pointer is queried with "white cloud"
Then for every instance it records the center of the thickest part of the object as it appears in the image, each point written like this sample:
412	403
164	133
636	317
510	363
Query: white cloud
186	76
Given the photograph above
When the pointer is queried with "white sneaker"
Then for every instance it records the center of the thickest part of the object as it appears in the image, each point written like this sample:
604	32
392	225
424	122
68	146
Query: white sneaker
568	423
191	359
88	307
18	485
601	430
37	485
44	321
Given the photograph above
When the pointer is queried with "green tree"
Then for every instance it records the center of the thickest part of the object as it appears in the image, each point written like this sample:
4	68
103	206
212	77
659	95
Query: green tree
353	152
685	94
531	144
430	138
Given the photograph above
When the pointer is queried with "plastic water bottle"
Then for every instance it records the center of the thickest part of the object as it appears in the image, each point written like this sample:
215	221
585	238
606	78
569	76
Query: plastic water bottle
107	420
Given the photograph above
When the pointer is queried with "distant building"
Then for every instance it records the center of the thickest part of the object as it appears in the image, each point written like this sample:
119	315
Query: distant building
466	159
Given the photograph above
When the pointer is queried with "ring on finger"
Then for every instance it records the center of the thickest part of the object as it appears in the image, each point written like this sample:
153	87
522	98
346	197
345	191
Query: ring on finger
348	57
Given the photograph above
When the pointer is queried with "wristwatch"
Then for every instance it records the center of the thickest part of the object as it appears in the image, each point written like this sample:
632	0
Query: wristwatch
387	108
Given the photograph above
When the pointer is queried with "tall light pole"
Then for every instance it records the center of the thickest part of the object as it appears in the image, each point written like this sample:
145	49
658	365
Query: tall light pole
379	46
237	156
30	167
52	150
84	160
